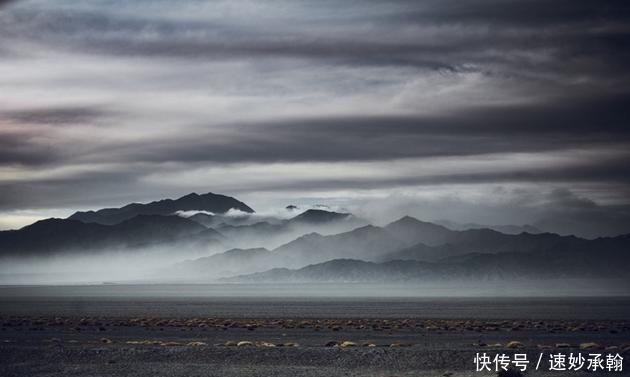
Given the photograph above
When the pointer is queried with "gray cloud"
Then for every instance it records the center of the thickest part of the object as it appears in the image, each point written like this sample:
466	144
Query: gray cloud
57	115
482	89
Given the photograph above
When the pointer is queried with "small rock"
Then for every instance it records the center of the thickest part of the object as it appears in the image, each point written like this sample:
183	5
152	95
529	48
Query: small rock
244	343
196	344
514	344
230	343
397	344
170	344
589	346
106	341
563	345
265	344
347	343
368	345
332	343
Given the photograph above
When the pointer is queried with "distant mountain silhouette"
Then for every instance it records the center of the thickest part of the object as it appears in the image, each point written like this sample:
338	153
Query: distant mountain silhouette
422	252
449	250
233	261
507	229
273	232
67	235
210	202
367	243
412	231
319	216
205	219
352	270
480	267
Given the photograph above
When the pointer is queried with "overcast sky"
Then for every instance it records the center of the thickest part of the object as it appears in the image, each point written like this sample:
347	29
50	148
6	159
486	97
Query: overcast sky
486	111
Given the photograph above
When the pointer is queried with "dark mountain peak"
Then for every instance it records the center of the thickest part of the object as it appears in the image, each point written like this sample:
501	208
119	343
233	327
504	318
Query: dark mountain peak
366	229
412	221
68	235
209	202
319	216
192	195
309	236
52	224
411	231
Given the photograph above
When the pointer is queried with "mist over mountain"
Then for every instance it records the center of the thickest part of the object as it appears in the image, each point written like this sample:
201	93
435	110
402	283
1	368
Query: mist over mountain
209	202
485	253
507	267
273	232
507	229
198	238
72	236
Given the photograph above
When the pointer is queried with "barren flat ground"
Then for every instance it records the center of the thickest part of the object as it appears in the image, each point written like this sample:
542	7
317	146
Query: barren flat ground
68	334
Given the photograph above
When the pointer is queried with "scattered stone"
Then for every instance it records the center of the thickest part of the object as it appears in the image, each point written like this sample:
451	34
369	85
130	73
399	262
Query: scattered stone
170	344
347	343
244	343
514	344
332	343
106	341
563	345
367	344
589	346
397	344
196	344
265	344
230	343
289	344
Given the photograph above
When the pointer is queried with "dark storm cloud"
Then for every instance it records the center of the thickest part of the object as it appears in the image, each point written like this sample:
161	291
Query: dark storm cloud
25	139
94	186
24	148
226	84
566	124
612	171
395	35
57	115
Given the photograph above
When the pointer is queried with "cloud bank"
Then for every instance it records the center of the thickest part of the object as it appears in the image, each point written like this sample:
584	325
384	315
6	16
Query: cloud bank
108	102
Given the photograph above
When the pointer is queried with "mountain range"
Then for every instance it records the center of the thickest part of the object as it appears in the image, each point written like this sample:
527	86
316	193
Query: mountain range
209	202
313	245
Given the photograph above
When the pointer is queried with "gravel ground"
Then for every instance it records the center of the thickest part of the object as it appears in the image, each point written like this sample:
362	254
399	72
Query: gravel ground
97	346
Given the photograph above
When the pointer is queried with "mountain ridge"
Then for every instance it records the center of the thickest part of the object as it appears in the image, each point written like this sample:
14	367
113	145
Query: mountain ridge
209	202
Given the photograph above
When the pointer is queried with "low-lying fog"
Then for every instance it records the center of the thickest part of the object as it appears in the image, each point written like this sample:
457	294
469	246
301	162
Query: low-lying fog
349	259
